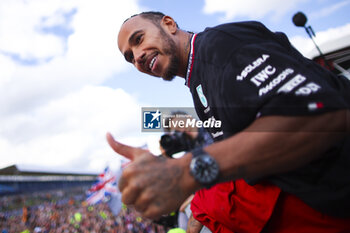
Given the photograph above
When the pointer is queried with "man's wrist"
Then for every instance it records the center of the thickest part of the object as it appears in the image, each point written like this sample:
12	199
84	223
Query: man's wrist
188	181
204	168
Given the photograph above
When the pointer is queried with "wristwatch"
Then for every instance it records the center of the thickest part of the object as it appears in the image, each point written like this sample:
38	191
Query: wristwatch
204	168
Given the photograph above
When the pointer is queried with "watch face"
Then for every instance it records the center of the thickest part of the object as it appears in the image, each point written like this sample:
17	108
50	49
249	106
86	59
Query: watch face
204	169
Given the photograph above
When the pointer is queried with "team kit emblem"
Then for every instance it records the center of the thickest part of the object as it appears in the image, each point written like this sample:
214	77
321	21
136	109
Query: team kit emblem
201	96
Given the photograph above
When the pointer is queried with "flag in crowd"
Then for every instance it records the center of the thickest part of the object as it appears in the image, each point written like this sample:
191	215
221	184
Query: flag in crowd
104	188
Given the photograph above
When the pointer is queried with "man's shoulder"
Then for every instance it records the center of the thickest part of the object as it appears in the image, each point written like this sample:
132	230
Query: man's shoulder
236	27
231	36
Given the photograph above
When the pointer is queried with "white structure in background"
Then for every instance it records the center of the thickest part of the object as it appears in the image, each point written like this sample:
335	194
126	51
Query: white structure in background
336	52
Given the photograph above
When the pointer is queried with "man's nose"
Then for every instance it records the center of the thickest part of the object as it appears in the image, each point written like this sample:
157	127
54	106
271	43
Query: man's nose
140	57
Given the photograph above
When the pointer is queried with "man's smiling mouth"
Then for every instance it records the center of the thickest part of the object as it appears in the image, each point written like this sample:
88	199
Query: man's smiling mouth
152	62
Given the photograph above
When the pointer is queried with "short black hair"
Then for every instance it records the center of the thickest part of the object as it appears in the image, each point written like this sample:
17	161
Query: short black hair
154	16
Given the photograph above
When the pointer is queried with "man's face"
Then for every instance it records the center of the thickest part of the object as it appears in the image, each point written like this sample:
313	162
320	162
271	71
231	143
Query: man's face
149	47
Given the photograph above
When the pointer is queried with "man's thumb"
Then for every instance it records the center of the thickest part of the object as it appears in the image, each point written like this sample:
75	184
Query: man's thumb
128	152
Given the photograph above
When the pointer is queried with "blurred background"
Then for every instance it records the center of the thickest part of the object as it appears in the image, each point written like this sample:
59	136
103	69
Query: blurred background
64	84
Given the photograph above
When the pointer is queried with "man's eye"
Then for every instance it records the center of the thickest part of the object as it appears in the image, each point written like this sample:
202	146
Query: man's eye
138	39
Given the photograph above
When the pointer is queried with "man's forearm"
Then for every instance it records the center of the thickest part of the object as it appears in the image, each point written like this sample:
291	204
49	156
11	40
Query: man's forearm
277	144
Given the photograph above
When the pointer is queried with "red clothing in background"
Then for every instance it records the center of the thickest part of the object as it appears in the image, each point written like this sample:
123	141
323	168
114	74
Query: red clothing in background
239	207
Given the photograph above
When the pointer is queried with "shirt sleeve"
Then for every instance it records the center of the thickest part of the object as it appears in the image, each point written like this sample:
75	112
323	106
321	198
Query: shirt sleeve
268	78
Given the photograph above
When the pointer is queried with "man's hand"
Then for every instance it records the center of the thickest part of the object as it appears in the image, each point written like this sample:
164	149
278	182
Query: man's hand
193	226
154	185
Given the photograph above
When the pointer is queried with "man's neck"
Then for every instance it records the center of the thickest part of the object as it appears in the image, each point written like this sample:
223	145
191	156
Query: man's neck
185	46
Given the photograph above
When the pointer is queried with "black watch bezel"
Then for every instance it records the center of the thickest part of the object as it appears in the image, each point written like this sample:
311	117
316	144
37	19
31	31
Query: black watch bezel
204	168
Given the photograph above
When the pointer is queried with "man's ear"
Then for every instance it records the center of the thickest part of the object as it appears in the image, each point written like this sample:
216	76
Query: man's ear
170	24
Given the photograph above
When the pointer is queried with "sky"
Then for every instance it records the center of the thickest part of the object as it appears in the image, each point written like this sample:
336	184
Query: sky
64	83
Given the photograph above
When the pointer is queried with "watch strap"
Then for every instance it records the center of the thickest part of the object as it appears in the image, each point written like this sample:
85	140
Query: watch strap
198	151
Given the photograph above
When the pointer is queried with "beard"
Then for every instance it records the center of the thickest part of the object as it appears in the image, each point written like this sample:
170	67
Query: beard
170	50
172	70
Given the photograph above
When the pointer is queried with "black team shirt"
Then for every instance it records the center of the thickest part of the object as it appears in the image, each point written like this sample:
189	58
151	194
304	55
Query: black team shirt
242	71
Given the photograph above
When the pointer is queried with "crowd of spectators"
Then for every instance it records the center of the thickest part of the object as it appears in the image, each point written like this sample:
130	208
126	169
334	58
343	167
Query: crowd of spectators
66	211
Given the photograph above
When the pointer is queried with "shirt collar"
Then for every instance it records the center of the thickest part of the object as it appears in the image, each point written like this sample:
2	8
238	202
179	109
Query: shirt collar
190	61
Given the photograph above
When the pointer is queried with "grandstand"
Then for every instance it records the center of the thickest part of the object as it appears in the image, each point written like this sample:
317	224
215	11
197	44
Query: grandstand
16	180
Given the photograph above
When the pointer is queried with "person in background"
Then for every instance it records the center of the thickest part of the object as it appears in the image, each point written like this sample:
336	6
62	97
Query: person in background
183	139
